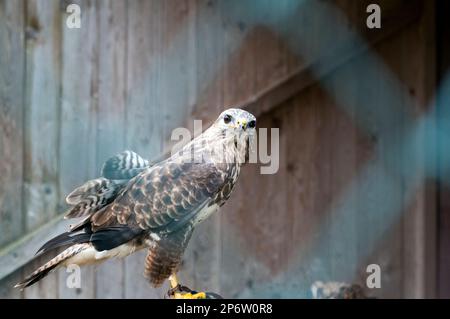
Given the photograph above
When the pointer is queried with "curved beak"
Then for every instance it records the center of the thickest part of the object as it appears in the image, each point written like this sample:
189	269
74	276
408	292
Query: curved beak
242	123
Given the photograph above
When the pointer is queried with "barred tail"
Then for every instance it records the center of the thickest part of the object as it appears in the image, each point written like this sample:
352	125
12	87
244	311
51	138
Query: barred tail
45	269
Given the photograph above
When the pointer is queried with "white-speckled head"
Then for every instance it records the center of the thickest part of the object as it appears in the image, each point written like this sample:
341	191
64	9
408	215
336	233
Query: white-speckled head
237	121
227	140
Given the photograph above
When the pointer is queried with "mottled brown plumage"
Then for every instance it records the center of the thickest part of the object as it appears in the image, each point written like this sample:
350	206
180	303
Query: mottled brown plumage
137	204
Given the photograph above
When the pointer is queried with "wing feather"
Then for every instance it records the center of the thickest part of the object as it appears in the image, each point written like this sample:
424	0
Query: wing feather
92	196
98	193
163	198
125	165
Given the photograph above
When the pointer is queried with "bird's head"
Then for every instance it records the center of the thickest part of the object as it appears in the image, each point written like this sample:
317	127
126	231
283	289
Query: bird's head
236	122
229	138
236	128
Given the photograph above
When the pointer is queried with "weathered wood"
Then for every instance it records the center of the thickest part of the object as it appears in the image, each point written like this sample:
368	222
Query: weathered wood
109	276
341	140
310	180
78	132
248	71
137	69
42	109
6	286
377	199
303	76
42	112
144	119
201	261
20	252
420	244
443	114
12	71
15	258
340	231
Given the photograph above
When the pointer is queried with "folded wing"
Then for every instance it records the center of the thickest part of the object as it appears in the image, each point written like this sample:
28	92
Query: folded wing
97	193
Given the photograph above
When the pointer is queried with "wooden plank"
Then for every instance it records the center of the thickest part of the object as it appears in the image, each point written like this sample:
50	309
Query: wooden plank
368	197
12	71
420	249
201	261
260	60
383	198
160	84
7	290
42	93
443	114
20	252
12	79
15	258
109	276
144	119
312	183
77	145
44	289
179	86
385	189
342	141
43	77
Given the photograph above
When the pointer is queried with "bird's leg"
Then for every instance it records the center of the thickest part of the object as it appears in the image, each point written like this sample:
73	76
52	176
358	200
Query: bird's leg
173	281
181	292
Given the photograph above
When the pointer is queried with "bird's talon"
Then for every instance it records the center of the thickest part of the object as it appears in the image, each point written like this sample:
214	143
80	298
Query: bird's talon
183	292
199	295
174	290
188	295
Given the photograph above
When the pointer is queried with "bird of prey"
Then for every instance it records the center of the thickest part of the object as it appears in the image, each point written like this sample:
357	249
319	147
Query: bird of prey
138	204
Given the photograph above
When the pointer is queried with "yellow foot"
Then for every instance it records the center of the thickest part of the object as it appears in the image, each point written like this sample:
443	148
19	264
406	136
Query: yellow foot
178	291
189	295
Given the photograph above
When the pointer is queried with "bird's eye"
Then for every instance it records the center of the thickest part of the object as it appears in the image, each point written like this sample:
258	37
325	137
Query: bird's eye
252	124
227	118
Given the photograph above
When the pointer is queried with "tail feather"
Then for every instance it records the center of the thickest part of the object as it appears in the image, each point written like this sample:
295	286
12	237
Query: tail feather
64	239
52	264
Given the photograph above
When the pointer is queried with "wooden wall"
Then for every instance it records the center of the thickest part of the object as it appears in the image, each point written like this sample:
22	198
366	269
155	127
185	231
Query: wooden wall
70	98
443	198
